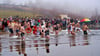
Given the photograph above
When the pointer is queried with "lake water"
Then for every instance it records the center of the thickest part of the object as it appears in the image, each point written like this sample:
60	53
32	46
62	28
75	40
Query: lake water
62	45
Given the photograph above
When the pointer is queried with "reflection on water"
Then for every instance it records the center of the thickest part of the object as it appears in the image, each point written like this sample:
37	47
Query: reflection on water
23	48
18	46
42	47
72	41
76	41
47	46
56	41
86	41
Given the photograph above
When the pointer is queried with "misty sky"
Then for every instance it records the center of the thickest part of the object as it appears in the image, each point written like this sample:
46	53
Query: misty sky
90	3
77	5
83	3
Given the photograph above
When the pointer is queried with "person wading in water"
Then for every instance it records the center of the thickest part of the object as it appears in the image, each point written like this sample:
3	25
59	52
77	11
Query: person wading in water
85	28
73	28
77	27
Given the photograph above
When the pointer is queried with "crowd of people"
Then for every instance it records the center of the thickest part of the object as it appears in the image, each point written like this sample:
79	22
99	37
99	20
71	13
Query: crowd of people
40	26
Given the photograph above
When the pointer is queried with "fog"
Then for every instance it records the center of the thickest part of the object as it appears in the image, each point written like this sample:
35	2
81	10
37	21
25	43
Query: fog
83	7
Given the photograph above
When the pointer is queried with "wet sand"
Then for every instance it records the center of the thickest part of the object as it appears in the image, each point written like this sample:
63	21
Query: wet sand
62	45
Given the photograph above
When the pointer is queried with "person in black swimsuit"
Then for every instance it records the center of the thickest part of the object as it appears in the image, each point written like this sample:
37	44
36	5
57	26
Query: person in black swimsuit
47	32
56	30
85	28
42	33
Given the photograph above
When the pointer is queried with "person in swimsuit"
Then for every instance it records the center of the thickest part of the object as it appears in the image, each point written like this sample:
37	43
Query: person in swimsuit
73	28
47	32
35	30
10	28
69	28
13	24
56	30
41	29
28	29
85	28
59	27
22	30
17	28
77	27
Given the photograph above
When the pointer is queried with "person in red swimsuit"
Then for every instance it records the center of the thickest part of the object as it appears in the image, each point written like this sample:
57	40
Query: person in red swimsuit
35	29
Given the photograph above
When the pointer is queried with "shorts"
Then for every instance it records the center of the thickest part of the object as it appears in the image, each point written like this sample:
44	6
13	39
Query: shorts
31	26
85	33
64	25
56	28
17	31
11	31
22	34
46	33
69	28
